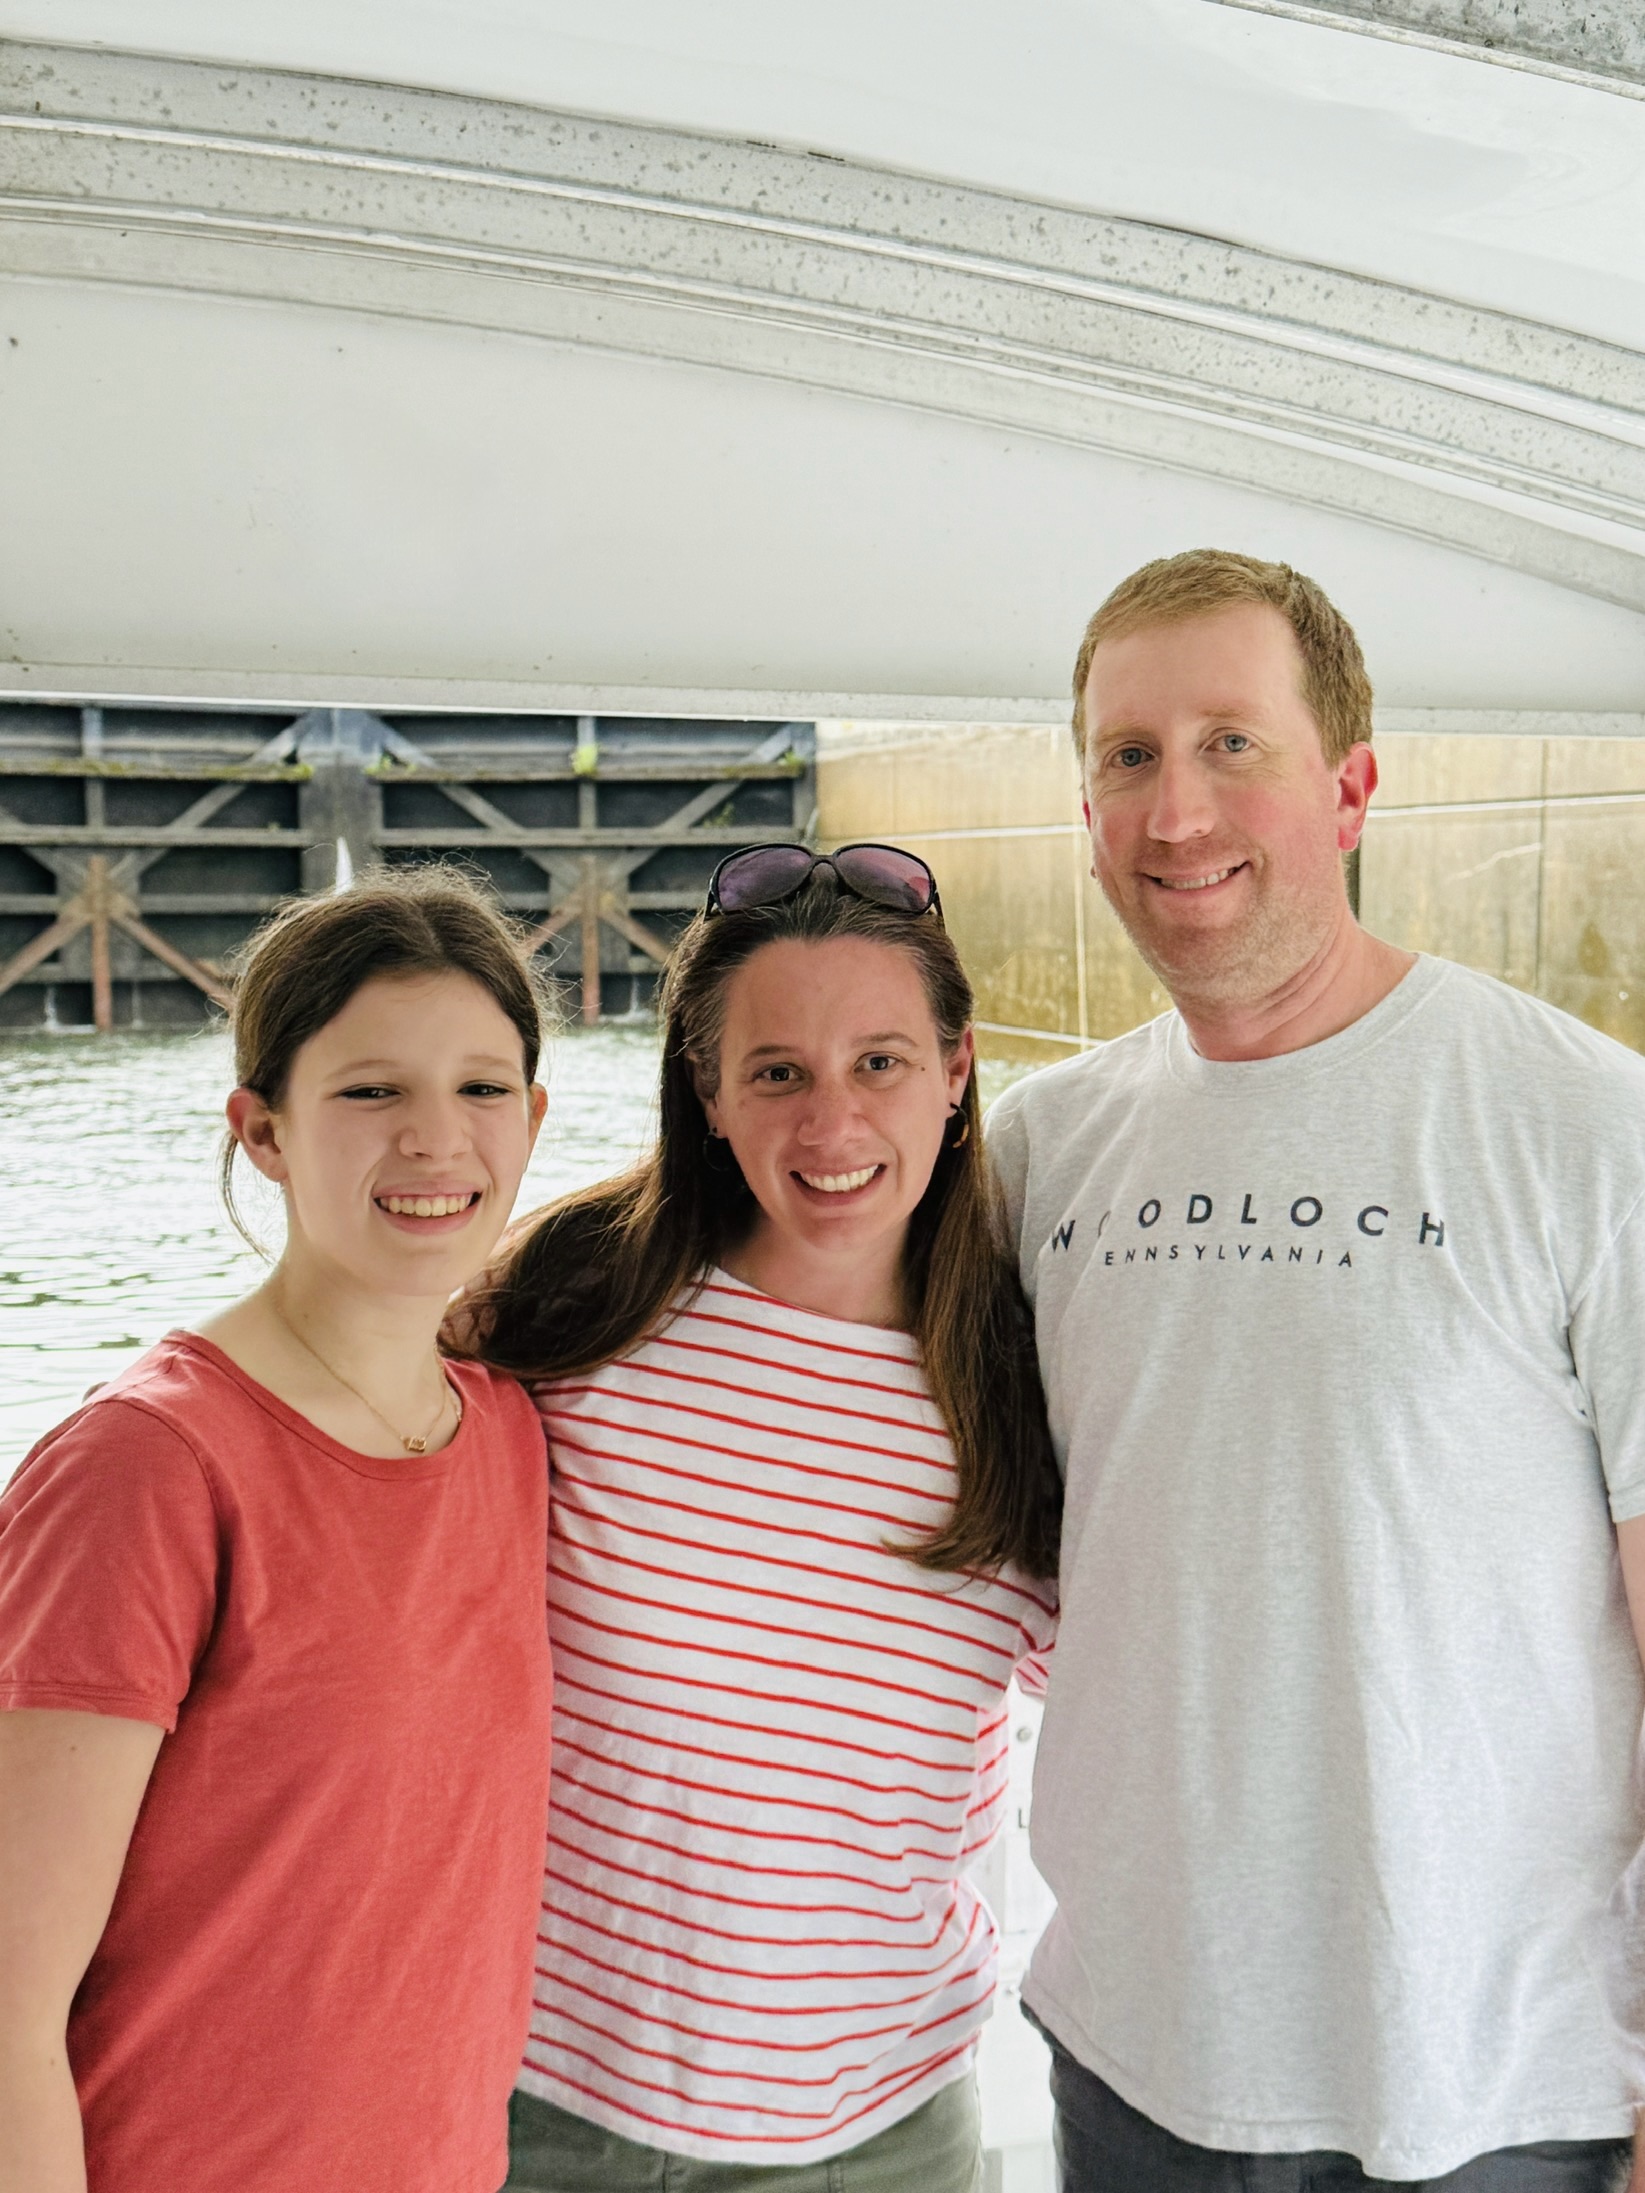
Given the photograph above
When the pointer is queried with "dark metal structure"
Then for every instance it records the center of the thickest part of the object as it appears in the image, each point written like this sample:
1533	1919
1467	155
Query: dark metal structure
139	845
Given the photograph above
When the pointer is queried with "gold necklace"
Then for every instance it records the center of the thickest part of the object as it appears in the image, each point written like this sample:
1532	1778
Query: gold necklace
412	1443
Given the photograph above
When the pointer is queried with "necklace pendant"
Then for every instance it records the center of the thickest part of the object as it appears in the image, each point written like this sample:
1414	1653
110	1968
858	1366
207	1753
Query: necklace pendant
415	1446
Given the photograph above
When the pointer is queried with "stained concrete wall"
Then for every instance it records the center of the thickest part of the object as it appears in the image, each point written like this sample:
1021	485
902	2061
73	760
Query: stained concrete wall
1525	857
1522	857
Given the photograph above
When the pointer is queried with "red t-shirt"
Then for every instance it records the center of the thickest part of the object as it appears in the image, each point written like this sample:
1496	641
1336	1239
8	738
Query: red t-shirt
317	1970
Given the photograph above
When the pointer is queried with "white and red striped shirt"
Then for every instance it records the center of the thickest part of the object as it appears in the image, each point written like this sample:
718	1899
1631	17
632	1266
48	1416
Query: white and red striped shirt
777	1744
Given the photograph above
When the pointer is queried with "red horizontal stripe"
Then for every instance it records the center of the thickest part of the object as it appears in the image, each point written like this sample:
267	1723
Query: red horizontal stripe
654	1499
997	1768
908	1361
809	1805
987	1801
997	1762
624	1835
581	1957
637	1367
926	1590
700	2071
715	1896
767	1595
730	1619
764	1970
762	1660
646	1809
649	2017
915	1386
881	1943
737	1454
809	1501
673	1744
662	2056
754	1728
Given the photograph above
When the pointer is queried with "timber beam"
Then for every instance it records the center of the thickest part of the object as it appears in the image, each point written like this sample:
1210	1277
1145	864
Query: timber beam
623	861
99	905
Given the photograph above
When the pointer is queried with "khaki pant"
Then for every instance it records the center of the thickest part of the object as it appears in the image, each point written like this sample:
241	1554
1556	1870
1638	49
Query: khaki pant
938	2149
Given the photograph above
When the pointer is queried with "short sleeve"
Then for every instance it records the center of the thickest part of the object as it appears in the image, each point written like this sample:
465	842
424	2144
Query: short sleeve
1607	1326
1007	1133
108	1568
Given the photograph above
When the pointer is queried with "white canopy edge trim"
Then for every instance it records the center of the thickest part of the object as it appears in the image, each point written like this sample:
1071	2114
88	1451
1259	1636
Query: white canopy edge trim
848	721
1510	723
101	685
1505	438
1468	49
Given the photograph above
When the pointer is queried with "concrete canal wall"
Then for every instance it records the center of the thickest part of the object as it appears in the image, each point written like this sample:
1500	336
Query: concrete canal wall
1519	850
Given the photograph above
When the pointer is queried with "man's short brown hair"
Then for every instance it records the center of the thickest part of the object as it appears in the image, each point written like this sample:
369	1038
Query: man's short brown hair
1200	580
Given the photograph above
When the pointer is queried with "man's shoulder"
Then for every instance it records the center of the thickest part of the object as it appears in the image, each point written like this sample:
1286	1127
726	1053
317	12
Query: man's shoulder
1053	1094
1481	1011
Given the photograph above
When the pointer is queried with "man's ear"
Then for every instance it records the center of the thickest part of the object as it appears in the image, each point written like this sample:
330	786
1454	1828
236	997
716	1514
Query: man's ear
257	1130
1356	776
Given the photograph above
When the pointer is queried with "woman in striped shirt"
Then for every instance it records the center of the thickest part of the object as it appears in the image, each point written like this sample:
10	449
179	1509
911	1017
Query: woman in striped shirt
804	1520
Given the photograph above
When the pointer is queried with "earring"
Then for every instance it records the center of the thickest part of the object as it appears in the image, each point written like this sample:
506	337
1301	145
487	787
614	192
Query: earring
950	1140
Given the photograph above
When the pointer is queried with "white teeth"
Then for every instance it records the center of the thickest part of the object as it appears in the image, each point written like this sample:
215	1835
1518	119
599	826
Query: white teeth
1198	883
425	1206
840	1183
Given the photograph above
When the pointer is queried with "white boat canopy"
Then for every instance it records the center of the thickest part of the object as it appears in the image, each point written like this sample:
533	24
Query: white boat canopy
738	357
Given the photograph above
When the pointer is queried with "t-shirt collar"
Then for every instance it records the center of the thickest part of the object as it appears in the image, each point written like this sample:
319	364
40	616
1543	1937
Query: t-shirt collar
1236	1077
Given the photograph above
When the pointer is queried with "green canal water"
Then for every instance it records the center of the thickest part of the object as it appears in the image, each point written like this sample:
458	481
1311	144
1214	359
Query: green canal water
111	1231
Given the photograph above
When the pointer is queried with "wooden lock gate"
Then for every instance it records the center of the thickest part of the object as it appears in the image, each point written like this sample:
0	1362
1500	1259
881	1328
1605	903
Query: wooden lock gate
140	845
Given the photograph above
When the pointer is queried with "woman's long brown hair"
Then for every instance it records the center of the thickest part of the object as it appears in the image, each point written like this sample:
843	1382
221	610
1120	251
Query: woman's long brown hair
592	1276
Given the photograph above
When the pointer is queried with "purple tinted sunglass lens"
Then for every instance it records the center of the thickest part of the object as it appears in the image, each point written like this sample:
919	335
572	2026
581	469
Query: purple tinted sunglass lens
758	877
764	874
881	873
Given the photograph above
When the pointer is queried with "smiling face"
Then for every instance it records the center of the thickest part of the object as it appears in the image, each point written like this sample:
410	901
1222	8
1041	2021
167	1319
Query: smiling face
834	1092
1217	825
401	1137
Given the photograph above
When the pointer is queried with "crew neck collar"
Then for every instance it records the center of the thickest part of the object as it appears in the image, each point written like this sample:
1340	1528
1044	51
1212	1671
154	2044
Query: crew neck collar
467	1378
721	1278
1233	1077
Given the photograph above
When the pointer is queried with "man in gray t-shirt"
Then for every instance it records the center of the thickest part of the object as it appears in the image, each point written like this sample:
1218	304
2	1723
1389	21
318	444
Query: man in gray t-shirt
1339	1278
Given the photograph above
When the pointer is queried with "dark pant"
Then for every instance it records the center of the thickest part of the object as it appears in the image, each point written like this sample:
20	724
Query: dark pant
1105	2146
935	2149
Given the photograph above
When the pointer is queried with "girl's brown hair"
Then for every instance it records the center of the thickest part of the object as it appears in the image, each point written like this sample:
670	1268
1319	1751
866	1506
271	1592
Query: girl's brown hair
301	968
595	1274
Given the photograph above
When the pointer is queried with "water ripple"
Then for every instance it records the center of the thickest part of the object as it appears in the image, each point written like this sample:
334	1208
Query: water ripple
112	1229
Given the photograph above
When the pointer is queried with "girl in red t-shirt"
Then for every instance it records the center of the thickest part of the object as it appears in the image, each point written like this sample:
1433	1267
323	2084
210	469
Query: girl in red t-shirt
274	1774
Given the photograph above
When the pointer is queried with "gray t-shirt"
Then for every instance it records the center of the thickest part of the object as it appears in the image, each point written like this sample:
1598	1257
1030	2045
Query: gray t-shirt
1344	1352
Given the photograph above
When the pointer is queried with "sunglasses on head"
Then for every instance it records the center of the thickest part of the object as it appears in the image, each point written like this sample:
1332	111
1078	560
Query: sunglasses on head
762	875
